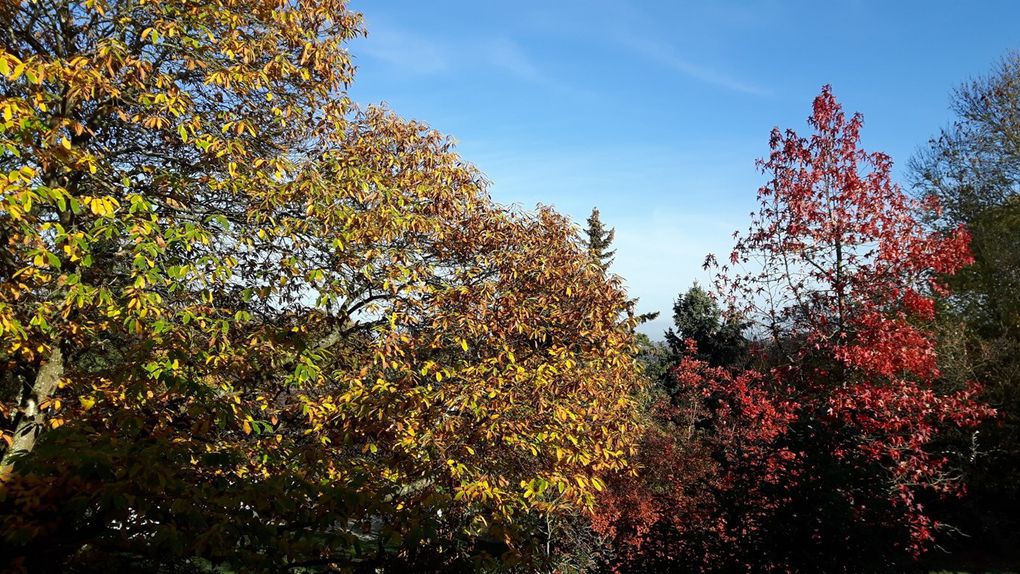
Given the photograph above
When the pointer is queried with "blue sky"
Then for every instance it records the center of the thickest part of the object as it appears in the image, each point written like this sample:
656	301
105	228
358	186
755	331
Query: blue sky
655	111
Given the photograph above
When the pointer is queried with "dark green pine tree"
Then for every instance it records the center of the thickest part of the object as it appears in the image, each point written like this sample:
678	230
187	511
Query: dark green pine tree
599	242
697	316
600	239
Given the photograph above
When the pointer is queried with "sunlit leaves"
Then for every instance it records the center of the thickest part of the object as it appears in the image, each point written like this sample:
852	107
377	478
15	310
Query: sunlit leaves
820	456
844	286
273	300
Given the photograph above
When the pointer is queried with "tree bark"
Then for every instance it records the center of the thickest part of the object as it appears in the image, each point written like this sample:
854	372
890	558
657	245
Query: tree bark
31	419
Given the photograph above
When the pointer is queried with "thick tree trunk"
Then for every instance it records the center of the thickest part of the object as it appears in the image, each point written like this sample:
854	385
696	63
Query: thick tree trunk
30	420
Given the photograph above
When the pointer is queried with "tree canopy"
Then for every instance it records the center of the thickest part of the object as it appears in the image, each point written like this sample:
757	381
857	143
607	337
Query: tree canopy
249	324
973	168
246	321
818	454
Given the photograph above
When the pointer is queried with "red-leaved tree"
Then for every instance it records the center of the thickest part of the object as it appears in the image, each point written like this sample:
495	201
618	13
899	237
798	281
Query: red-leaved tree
692	506
842	279
823	455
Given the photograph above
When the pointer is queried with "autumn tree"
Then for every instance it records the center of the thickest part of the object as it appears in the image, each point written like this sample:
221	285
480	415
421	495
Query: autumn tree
244	321
973	169
666	516
842	283
690	507
824	455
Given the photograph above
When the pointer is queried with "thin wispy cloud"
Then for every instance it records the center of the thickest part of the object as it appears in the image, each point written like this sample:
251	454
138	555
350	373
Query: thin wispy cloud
507	55
633	28
668	57
410	53
404	50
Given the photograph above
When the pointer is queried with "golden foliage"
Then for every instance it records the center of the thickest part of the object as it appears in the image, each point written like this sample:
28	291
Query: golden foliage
235	259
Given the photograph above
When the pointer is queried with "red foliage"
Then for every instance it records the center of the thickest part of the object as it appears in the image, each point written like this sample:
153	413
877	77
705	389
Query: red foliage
853	270
719	428
841	280
665	513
